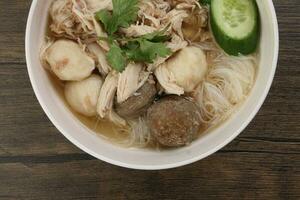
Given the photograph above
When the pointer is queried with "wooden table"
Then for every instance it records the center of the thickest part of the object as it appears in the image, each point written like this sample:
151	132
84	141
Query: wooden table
37	162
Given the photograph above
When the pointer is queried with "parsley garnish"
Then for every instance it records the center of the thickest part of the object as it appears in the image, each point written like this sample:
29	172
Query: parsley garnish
144	50
116	57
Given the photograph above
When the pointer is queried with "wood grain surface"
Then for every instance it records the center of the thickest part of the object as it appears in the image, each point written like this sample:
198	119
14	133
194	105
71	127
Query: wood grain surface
37	162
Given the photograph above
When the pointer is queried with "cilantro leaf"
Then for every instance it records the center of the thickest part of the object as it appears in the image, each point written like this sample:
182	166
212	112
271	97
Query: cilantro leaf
156	36
143	50
104	16
123	14
116	57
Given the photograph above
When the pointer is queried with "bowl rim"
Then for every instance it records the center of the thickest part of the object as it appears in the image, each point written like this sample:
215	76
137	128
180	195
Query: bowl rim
164	166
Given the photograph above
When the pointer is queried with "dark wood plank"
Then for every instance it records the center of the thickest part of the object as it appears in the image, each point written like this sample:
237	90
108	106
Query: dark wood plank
13	15
221	176
25	129
37	162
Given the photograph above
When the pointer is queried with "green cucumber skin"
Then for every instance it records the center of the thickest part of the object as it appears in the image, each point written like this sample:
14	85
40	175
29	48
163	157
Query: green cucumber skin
236	47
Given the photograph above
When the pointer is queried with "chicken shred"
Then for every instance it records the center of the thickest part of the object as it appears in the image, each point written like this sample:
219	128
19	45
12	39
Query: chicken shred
138	30
107	94
96	5
72	19
99	56
130	80
167	80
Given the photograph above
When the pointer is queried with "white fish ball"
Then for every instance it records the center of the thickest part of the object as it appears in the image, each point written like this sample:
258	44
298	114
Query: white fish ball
68	61
82	96
188	67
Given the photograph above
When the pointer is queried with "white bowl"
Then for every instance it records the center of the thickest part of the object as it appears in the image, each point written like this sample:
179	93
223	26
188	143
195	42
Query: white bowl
144	159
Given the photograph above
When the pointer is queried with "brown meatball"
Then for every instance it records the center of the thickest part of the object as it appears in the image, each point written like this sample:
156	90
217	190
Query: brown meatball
174	121
136	106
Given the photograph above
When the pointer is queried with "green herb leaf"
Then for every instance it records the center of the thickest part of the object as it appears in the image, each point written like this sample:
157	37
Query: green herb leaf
105	17
116	57
157	36
124	13
143	50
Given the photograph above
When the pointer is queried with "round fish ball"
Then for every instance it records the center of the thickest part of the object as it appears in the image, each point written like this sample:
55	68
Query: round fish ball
68	61
189	67
82	96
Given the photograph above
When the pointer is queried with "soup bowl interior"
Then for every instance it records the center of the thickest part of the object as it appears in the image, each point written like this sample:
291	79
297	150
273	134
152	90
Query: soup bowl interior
147	159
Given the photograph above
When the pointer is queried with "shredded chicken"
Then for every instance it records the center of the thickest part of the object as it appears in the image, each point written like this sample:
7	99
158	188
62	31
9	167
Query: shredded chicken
151	12
107	94
72	19
176	43
177	15
96	5
194	27
130	80
167	80
106	100
175	19
100	58
138	30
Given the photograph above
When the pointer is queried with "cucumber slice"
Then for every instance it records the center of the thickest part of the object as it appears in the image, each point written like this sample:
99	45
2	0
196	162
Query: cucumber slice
235	25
